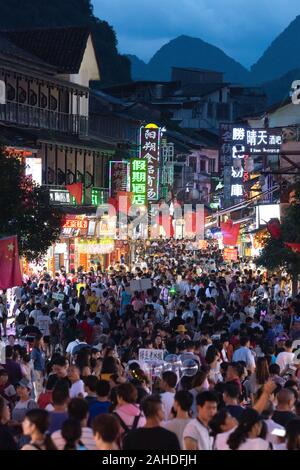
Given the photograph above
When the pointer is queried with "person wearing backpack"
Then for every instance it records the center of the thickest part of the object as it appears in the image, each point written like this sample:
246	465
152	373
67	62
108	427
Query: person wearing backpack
152	436
128	412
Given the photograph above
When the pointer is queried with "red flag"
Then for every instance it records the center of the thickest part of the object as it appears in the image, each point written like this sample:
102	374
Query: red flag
76	190
293	246
274	229
113	206
10	272
230	232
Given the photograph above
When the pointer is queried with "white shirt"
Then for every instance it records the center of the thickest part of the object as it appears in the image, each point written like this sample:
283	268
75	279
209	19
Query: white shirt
72	345
200	433
221	440
43	323
255	444
77	389
177	426
87	439
167	399
35	314
284	359
271	425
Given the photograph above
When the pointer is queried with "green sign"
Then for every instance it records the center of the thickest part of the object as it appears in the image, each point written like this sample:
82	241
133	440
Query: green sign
138	181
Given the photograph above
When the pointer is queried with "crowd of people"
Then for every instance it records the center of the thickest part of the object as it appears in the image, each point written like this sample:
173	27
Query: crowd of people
228	336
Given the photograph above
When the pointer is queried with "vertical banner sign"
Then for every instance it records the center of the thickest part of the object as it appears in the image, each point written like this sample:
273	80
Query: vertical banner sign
246	142
149	150
117	177
138	181
225	158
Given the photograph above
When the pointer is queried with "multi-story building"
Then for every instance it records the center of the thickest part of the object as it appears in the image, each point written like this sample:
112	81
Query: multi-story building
44	118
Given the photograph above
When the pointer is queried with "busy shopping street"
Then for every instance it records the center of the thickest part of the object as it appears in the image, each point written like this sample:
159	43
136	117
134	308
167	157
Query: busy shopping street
149	230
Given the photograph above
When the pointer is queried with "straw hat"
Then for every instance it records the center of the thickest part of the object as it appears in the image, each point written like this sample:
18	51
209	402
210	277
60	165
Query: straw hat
181	329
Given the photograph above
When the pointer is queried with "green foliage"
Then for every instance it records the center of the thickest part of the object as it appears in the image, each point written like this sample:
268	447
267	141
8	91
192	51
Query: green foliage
22	14
26	210
275	254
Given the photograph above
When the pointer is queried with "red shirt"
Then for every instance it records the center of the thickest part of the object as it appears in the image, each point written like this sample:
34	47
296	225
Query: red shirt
88	330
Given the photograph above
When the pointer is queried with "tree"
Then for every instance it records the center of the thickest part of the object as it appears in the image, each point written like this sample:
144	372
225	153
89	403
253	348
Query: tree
275	253
26	210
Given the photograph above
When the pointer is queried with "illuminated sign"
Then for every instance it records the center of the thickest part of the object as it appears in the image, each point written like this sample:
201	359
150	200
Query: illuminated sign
258	140
34	169
266	212
138	181
149	150
230	254
95	246
118	175
59	196
76	223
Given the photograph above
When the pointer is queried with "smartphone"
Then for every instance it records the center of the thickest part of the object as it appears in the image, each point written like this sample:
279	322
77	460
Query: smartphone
278	432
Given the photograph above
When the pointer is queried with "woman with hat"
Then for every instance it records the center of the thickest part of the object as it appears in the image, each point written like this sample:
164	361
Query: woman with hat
182	336
25	403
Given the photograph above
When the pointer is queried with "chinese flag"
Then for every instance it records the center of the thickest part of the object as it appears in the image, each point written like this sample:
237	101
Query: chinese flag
230	232
10	273
76	190
293	246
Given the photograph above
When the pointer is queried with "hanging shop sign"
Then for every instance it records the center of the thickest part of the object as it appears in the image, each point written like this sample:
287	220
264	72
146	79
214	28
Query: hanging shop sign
257	140
59	196
73	222
96	246
118	177
138	181
150	151
230	254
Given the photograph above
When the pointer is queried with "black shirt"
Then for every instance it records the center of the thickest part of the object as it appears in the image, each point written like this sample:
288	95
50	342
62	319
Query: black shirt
7	441
235	410
151	439
283	417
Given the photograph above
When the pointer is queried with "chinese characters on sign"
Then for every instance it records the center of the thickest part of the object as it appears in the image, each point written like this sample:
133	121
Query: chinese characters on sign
138	181
118	177
149	150
258	140
225	159
151	355
230	254
246	142
76	223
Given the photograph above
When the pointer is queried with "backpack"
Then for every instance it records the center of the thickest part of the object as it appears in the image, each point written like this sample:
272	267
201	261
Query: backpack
125	427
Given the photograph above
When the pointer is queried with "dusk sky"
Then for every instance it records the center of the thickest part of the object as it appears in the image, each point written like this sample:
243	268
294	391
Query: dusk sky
242	28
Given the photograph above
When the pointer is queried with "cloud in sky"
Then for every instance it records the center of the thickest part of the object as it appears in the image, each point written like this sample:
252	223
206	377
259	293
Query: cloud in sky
242	28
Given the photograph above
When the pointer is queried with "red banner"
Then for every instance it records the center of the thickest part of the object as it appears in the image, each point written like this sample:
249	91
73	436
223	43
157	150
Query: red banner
76	190
10	272
230	232
293	246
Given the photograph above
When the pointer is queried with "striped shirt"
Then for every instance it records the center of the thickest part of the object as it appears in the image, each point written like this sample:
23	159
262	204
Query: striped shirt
87	439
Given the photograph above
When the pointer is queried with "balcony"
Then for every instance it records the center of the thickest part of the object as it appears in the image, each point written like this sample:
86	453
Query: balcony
32	116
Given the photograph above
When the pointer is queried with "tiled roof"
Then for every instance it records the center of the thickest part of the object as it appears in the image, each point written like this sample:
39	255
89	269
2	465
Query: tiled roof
63	48
13	52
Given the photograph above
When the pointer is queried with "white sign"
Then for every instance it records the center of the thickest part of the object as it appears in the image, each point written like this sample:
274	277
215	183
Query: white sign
60	248
34	169
266	212
2	92
151	355
140	285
